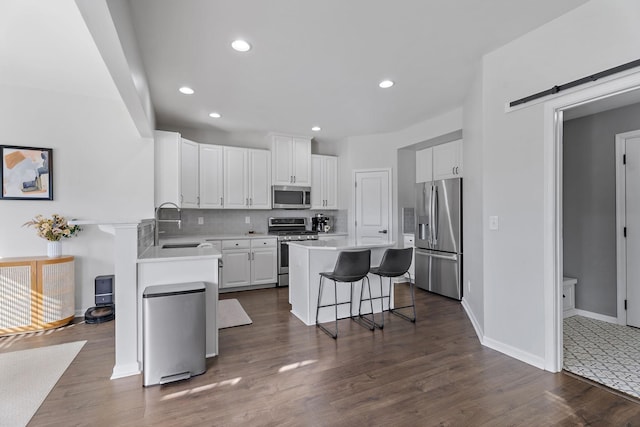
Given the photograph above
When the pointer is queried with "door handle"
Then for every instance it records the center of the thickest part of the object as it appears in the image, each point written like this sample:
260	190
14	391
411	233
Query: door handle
221	201
250	201
383	231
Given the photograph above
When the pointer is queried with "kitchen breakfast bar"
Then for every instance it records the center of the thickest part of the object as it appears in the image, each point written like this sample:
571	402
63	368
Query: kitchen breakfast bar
308	258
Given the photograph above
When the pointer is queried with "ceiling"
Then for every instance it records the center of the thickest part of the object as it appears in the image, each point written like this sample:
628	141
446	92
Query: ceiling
318	63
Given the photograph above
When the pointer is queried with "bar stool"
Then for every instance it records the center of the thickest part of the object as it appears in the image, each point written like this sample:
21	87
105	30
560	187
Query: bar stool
395	263
351	266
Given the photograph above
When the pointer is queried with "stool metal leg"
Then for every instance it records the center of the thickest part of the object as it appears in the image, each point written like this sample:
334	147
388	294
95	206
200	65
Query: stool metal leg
370	323
413	303
333	335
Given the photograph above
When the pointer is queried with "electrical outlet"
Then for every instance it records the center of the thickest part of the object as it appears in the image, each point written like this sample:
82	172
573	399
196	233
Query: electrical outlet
468	286
247	220
493	223
200	220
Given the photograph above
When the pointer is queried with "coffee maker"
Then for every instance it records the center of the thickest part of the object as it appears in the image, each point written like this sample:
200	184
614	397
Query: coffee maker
321	223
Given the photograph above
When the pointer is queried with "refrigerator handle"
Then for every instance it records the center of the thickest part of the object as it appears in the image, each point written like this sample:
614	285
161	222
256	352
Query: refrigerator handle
430	240
436	209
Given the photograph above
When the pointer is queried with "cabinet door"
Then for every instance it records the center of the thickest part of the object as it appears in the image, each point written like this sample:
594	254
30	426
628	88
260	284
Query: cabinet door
211	176
235	178
264	266
447	160
282	160
236	268
424	165
330	170
189	173
259	179
301	162
409	243
167	167
317	187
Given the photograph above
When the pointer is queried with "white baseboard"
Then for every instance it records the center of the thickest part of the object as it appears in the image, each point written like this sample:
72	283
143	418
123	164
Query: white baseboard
510	351
474	321
597	316
516	353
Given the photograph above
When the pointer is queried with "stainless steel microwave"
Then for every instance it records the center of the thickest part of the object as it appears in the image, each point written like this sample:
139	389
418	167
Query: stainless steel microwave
290	197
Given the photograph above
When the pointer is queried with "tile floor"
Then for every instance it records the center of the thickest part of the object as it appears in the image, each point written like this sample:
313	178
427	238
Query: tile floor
603	352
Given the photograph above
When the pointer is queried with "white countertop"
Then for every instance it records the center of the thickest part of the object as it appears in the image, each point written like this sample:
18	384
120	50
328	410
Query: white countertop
201	238
338	244
157	254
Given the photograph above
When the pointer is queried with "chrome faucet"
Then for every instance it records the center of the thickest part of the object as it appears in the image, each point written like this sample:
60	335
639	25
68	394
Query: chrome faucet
158	220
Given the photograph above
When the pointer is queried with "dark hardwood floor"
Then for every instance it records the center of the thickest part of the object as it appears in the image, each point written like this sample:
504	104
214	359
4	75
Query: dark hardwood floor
279	372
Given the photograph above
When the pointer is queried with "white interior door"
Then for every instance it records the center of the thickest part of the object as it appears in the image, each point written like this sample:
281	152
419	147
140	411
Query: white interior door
632	211
373	206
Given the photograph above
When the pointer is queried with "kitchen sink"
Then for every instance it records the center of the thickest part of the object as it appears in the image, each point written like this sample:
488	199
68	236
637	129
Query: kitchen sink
180	245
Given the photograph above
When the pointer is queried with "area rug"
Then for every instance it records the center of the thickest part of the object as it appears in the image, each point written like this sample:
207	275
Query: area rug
231	313
27	377
603	352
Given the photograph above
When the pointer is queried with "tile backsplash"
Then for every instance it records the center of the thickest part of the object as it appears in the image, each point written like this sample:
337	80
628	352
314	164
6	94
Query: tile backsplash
232	221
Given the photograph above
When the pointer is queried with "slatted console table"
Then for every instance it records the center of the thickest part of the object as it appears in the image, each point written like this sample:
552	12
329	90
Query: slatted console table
36	293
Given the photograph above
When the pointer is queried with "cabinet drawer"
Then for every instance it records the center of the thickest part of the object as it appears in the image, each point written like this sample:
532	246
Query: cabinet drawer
263	243
236	244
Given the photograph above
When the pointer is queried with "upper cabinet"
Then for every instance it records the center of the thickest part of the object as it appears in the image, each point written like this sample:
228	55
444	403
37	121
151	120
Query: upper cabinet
247	175
424	165
324	182
291	160
190	179
211	172
187	173
439	162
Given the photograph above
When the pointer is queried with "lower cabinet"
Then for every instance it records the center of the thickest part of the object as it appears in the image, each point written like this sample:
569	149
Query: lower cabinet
409	242
248	262
36	293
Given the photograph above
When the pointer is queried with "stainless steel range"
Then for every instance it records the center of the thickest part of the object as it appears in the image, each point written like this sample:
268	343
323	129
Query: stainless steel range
288	229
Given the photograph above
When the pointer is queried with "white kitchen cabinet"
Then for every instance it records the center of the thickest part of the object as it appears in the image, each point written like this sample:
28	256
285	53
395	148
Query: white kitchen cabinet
235	268
211	173
439	162
247	262
246	178
424	165
409	242
187	173
264	261
324	182
447	160
291	157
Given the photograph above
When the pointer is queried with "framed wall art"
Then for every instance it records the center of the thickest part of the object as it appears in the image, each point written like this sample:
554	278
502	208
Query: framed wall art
26	173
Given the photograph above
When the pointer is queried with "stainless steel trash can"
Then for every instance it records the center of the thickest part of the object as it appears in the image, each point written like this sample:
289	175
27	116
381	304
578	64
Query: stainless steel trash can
174	332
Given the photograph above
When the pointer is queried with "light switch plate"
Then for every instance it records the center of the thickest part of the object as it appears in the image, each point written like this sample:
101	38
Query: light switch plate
247	220
200	220
493	223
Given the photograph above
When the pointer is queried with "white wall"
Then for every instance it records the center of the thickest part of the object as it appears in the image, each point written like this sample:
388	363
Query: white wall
102	169
599	35
381	151
472	223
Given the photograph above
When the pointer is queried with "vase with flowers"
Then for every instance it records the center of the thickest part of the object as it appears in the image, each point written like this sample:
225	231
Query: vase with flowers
53	229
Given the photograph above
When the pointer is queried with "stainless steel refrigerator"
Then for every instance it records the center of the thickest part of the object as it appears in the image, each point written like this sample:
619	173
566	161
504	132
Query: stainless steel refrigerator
438	241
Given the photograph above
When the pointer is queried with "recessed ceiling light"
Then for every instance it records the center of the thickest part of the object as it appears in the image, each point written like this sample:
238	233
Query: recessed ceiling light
186	90
240	45
385	84
215	115
316	129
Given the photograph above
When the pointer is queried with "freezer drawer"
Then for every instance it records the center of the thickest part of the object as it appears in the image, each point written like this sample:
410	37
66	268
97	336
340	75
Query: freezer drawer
439	272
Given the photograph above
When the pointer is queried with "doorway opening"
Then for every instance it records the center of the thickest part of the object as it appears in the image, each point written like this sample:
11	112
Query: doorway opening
574	228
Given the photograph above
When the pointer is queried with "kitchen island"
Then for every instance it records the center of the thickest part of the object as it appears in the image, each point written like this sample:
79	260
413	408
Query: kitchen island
308	258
